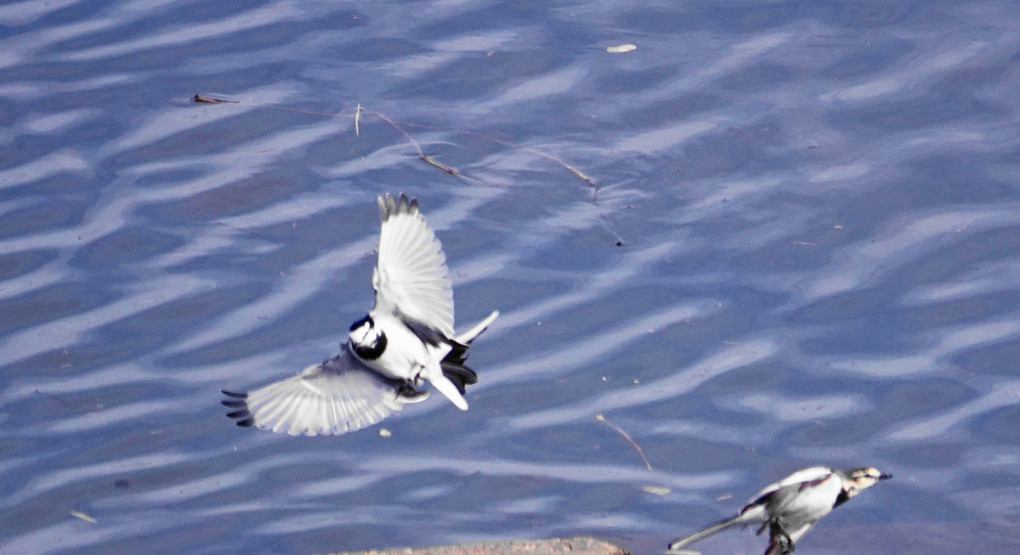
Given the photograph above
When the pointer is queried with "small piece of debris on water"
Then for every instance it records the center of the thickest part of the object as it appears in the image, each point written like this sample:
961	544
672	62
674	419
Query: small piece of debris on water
211	100
621	48
83	516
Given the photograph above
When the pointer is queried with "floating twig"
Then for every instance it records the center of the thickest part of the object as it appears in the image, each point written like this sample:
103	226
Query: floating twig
395	125
432	161
543	154
417	146
626	436
359	110
605	226
537	152
211	100
580	175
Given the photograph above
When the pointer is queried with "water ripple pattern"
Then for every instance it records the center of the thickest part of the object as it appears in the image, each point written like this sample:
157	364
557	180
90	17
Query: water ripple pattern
775	234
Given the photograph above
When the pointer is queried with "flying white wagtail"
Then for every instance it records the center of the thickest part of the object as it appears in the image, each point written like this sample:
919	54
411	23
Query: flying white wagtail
407	339
791	506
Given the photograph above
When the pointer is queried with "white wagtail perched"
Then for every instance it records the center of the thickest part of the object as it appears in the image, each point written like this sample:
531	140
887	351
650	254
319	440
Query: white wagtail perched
406	340
791	506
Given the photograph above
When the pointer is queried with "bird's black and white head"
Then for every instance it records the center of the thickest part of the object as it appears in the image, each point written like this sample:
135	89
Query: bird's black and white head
367	340
860	479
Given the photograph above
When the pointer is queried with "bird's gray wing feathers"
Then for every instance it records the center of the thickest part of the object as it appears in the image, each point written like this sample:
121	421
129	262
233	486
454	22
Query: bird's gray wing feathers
790	503
777	492
411	273
426	334
332	398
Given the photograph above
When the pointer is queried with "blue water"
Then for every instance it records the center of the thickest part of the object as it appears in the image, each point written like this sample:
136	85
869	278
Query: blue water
818	208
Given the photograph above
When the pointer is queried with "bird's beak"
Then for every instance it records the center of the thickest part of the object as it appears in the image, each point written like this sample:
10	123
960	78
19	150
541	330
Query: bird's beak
884	476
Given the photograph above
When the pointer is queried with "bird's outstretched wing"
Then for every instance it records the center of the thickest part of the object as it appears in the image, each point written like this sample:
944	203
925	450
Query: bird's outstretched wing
338	396
411	278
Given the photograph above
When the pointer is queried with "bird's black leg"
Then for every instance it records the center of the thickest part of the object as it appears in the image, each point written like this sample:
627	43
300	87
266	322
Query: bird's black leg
409	393
780	542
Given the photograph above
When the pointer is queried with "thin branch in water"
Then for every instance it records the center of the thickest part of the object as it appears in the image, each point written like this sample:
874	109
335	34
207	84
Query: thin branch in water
410	139
619	240
538	152
595	188
417	146
432	162
580	175
359	110
626	436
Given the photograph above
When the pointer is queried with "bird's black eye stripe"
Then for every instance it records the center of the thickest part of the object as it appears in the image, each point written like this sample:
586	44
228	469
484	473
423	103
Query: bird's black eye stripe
373	351
367	319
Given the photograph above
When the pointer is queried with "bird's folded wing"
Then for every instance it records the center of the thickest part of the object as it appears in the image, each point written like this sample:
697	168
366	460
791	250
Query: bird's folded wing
791	484
332	398
411	274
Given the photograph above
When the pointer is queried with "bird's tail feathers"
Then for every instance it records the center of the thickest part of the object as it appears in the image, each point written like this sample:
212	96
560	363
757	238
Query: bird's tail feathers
453	376
448	389
460	375
453	361
465	338
712	530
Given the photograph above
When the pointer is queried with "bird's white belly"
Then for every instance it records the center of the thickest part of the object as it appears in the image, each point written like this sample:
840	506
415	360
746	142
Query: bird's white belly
405	355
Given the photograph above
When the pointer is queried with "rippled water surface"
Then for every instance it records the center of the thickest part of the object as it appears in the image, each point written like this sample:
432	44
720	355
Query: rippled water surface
800	244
